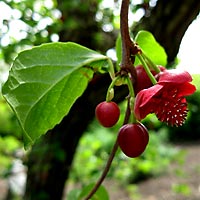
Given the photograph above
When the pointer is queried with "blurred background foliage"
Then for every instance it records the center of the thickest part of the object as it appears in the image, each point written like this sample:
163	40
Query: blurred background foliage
95	146
32	22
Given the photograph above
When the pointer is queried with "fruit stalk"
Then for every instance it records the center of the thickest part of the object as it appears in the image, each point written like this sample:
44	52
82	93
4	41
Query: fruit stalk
128	52
150	75
105	172
110	159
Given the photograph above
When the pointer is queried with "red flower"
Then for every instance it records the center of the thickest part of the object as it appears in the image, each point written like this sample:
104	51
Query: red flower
167	98
143	81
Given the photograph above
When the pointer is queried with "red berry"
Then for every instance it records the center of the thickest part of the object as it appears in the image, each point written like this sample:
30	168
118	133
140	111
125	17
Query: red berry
143	81
107	113
133	139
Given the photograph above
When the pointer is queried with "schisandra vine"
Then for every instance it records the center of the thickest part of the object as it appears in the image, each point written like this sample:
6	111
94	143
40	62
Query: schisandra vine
152	89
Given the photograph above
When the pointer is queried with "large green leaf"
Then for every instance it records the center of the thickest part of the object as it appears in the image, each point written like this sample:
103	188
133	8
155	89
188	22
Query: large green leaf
151	48
45	81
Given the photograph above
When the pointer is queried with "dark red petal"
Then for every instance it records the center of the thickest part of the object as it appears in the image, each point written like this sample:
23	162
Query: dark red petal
144	96
144	101
183	89
174	76
186	89
143	81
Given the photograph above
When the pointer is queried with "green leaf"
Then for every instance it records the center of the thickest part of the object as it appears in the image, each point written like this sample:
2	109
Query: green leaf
45	81
151	48
100	194
73	194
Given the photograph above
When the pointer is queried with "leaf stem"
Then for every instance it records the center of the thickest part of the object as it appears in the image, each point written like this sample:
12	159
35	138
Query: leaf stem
150	75
130	87
110	89
152	65
131	99
111	69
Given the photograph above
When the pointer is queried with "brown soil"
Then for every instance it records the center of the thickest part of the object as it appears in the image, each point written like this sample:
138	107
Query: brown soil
3	189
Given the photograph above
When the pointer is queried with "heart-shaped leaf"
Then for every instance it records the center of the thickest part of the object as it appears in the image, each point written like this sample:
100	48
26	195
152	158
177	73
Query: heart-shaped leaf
151	48
45	81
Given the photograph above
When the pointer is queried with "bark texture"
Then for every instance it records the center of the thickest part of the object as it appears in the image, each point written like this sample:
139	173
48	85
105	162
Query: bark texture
51	158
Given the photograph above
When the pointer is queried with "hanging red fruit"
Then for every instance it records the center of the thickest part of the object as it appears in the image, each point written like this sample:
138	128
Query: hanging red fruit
133	139
107	113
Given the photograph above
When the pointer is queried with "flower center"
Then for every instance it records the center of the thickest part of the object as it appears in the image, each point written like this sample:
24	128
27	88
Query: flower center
173	108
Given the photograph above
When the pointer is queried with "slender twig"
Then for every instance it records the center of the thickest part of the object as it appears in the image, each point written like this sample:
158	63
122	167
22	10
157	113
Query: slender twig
126	67
131	100
105	172
128	112
110	159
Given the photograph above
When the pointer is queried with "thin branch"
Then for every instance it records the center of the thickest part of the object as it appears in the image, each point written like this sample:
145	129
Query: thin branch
110	159
126	67
128	47
105	172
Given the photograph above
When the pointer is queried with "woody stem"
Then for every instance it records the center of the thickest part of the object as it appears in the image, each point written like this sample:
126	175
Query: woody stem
126	64
127	44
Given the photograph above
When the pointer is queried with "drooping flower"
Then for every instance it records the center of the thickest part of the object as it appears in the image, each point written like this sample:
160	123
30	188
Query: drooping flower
167	98
143	81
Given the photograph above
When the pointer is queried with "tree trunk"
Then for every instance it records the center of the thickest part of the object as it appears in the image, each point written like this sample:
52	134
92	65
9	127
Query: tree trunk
51	157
